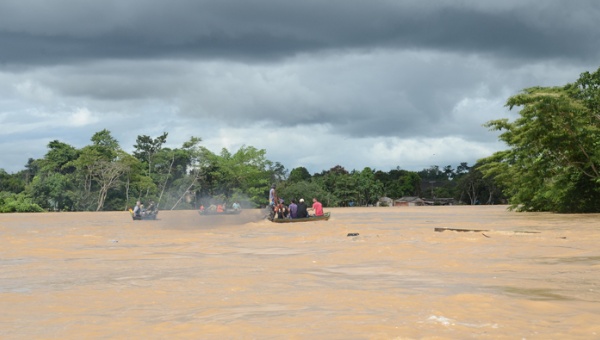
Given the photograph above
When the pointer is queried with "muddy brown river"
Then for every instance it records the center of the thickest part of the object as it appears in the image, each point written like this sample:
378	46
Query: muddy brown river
503	275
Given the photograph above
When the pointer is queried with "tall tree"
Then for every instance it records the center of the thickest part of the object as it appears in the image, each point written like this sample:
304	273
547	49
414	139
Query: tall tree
369	189
147	147
100	167
554	160
192	153
107	175
59	158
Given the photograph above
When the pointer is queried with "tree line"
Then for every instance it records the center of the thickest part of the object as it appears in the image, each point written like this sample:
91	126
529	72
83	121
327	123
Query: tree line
552	164
101	176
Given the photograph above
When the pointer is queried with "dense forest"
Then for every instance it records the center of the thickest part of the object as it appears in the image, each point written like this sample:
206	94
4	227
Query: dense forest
101	176
552	164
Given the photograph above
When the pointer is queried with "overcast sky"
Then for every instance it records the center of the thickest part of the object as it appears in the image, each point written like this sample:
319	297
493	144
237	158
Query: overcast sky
377	83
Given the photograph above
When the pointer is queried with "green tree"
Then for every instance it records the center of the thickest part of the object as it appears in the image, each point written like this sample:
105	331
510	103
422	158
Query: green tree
171	175
554	157
368	188
306	190
343	191
53	183
12	183
147	147
107	174
398	183
339	185
471	186
99	169
106	144
299	174
187	169
59	158
449	172
246	173
277	170
52	191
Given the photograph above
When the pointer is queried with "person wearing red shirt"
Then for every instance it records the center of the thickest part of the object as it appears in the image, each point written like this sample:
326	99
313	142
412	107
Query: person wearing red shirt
317	207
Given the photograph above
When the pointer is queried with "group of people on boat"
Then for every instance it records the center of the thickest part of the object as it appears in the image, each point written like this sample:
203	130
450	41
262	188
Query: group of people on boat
279	209
220	208
139	211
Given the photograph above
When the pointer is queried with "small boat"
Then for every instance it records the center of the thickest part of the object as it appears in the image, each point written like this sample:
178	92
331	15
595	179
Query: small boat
146	215
214	212
325	217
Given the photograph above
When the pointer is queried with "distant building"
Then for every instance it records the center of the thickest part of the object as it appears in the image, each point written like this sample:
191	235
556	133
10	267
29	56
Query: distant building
409	201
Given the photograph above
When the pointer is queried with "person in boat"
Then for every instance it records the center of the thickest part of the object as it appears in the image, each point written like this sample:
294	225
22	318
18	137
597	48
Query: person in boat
236	206
220	208
302	209
272	196
137	210
151	208
317	207
282	209
212	208
293	209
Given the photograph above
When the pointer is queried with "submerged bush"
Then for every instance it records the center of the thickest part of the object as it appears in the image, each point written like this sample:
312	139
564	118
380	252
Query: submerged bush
11	202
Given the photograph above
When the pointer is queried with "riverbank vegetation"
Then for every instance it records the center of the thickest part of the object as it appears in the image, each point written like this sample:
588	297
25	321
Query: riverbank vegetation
101	176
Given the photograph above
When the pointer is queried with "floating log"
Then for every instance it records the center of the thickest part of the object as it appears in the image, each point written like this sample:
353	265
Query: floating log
461	230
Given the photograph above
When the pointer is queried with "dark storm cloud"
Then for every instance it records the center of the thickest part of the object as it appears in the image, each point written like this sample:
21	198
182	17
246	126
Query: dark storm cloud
395	80
39	33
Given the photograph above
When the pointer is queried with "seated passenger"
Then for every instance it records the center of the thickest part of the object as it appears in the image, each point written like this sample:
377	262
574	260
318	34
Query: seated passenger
302	210
317	207
293	209
137	210
282	210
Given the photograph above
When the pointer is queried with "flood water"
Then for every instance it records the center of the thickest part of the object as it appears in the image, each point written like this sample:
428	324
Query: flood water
504	275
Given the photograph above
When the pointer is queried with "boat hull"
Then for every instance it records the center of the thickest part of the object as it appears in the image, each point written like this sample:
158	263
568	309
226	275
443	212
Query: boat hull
145	216
213	213
325	217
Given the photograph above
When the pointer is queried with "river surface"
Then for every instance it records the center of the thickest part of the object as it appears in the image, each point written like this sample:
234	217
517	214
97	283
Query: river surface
101	275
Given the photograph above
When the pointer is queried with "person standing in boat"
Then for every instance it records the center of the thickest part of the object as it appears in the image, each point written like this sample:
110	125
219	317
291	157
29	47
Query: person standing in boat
272	196
302	210
317	207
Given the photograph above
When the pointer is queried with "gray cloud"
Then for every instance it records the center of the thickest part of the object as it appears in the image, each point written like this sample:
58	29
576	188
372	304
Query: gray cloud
375	83
71	31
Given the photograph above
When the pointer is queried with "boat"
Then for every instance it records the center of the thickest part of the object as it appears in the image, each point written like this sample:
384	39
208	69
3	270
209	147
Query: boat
146	215
214	212
325	217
